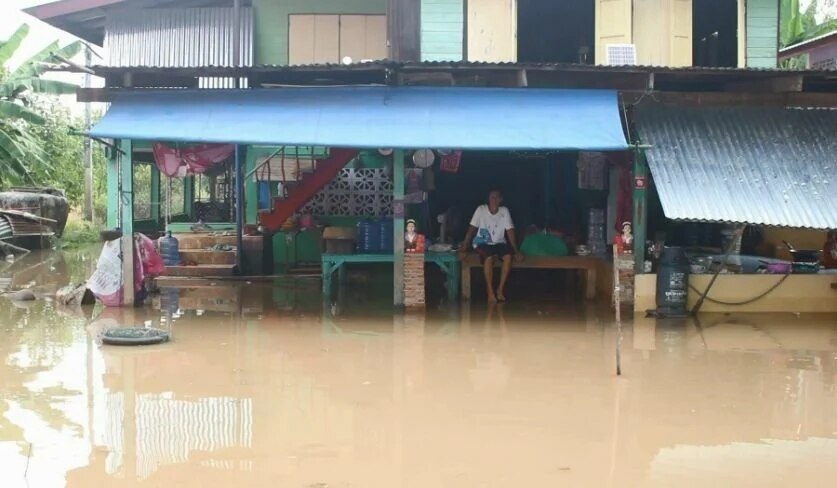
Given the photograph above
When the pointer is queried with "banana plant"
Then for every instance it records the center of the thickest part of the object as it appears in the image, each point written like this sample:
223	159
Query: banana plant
19	149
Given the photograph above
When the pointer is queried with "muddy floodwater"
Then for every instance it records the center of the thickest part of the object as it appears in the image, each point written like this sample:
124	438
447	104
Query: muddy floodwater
263	386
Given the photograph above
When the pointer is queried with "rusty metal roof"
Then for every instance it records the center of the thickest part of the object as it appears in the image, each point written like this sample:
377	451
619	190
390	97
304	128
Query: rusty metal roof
755	165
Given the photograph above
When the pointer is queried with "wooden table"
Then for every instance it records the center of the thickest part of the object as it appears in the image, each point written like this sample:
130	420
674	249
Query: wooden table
447	261
587	264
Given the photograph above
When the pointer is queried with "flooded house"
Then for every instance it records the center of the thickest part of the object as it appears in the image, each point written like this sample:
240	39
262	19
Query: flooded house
263	133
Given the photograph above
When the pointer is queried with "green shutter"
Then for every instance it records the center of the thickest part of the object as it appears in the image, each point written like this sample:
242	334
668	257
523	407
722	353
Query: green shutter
762	33
441	30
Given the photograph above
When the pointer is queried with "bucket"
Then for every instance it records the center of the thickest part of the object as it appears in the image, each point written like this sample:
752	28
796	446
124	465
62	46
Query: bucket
672	282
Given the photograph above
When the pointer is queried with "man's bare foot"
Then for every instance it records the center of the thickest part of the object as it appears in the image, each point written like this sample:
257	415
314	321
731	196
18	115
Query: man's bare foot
492	298
501	297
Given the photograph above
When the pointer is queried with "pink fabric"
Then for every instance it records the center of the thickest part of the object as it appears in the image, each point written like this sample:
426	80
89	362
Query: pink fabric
190	160
450	162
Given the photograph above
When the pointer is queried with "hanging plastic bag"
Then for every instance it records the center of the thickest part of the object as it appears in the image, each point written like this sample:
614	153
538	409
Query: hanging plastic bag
106	281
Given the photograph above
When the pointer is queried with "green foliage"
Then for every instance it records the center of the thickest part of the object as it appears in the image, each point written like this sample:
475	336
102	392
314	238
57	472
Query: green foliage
21	153
64	148
796	26
78	233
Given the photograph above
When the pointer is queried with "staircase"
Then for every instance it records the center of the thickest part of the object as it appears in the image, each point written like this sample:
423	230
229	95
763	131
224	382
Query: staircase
301	179
205	255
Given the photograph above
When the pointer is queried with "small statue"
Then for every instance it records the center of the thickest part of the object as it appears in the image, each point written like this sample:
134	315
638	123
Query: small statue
624	242
413	241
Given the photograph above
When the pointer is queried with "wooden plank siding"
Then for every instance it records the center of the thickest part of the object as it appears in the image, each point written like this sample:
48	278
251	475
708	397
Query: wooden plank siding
762	33
442	24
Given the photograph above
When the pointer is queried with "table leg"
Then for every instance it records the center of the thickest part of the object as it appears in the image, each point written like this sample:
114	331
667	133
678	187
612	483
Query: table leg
341	275
590	283
466	282
453	282
327	271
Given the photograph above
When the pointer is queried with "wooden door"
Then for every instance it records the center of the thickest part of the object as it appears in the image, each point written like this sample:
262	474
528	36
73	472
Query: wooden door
680	40
492	30
313	39
614	25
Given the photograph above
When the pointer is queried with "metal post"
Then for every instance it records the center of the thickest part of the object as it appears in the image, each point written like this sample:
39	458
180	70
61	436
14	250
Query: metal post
640	217
156	204
398	226
88	148
239	207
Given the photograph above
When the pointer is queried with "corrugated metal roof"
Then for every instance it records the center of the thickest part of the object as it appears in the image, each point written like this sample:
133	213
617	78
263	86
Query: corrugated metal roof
755	165
179	38
389	64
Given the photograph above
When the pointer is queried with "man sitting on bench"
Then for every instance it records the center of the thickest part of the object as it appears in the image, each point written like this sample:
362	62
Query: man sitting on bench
488	232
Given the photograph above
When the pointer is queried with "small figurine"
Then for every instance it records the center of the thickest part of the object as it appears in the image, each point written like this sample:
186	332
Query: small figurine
624	242
413	241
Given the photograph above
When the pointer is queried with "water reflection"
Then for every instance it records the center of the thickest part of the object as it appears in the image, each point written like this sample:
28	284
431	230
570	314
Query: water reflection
260	388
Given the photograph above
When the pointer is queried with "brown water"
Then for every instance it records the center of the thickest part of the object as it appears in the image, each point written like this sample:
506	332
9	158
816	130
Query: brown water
266	392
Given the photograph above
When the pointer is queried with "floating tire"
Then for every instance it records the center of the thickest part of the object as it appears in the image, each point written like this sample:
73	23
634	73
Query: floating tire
134	336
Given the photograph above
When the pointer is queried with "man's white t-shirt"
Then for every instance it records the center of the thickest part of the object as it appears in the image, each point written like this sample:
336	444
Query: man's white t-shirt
491	228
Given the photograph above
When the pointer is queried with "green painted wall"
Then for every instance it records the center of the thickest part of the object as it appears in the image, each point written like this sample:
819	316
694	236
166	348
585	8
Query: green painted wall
762	33
271	22
441	30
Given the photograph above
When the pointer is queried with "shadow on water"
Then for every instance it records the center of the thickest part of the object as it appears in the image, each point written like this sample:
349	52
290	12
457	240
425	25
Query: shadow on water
264	385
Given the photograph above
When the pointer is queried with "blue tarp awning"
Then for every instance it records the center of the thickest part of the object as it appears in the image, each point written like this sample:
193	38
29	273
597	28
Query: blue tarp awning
373	117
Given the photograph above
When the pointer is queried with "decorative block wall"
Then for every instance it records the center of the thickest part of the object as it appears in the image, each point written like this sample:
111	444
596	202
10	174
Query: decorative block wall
356	193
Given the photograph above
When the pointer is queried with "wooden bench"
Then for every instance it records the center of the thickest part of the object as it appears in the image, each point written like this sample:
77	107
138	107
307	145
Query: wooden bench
447	261
587	264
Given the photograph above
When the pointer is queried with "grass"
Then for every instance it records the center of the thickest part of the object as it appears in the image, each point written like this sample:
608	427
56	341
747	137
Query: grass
78	233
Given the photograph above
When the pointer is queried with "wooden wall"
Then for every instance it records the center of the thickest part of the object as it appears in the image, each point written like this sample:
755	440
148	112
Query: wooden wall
442	24
762	33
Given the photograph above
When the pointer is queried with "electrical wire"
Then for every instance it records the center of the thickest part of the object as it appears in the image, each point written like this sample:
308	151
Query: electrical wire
748	301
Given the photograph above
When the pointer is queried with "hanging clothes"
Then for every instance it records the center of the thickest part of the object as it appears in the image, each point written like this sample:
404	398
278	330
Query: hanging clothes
186	161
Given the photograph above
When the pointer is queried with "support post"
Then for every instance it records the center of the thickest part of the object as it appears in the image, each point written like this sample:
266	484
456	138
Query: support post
189	198
640	217
398	226
239	207
112	171
155	195
251	188
88	149
126	205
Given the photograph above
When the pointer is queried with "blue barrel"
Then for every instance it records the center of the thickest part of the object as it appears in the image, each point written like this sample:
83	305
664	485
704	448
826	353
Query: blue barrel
385	229
672	282
170	250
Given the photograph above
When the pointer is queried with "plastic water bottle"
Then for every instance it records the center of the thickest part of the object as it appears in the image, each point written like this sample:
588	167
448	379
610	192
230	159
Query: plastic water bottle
170	249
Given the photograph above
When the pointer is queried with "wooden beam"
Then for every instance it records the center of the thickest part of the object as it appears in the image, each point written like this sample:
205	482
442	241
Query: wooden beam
792	83
403	30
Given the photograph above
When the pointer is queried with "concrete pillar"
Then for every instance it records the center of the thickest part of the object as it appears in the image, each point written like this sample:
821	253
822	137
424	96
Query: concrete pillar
398	226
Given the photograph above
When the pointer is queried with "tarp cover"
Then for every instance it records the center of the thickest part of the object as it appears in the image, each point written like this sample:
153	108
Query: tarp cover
755	165
373	117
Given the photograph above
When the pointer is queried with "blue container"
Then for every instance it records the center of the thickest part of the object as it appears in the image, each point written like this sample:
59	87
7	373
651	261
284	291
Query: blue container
385	229
170	250
368	237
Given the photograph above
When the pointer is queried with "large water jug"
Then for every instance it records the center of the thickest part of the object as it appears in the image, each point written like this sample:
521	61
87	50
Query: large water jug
170	249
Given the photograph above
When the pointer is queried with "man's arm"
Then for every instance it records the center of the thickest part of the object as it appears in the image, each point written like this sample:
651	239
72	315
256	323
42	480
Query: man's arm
469	237
512	238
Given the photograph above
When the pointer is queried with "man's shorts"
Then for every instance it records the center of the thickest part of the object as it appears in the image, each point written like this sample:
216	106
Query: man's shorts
496	250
